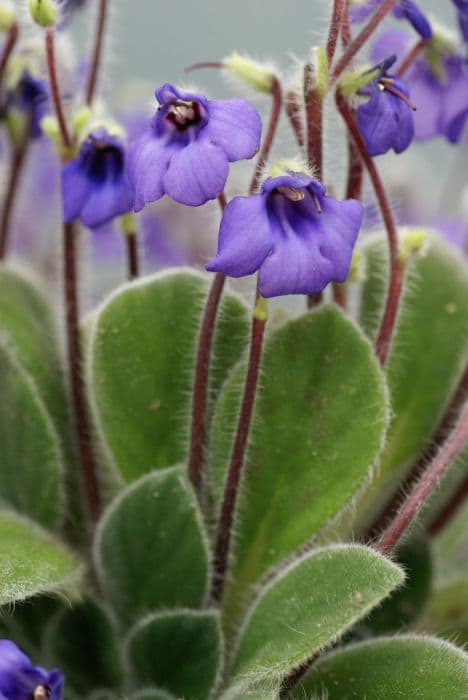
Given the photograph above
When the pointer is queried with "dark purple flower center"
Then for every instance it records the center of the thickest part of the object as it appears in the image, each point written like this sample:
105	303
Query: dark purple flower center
300	195
102	160
184	114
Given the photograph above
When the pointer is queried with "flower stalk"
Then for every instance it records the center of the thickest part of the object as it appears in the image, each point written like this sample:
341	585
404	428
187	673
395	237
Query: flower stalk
276	107
225	523
397	266
55	90
96	57
418	497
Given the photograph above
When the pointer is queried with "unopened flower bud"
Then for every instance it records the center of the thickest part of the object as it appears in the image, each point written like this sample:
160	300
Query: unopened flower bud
319	65
413	242
81	120
7	15
256	75
44	12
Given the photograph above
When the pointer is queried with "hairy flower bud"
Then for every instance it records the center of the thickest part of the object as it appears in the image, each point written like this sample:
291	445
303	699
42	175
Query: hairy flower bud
256	75
44	12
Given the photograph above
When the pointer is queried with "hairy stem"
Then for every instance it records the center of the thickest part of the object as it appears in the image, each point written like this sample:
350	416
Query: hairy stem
293	112
224	530
397	268
358	42
411	56
75	366
55	90
314	117
439	437
18	160
339	9
277	104
425	487
96	57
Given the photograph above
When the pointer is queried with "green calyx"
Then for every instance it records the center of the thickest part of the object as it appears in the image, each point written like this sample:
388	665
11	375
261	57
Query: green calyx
352	82
257	75
44	12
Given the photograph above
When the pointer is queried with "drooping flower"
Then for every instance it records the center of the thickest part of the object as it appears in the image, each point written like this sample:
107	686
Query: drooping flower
462	7
298	238
405	9
186	149
95	186
438	84
30	96
20	680
386	119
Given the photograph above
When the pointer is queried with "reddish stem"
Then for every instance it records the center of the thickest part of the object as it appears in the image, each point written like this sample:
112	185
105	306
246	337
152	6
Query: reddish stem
397	268
339	294
346	35
450	510
17	165
75	365
293	112
10	44
339	10
314	115
437	440
200	387
355	172
276	106
204	64
358	42
411	56
133	262
96	58
55	91
425	487
224	530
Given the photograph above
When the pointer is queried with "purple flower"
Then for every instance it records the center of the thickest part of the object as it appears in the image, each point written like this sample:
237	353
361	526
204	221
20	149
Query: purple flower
405	9
20	680
95	187
31	97
439	89
386	119
297	237
462	7
186	149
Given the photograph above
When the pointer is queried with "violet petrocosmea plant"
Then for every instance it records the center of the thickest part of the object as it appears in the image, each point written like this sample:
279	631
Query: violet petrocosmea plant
204	498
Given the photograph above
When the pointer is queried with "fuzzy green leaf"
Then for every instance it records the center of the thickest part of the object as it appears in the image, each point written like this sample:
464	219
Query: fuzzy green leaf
427	356
31	462
177	651
405	604
310	604
141	366
151	550
420	668
83	644
31	561
318	426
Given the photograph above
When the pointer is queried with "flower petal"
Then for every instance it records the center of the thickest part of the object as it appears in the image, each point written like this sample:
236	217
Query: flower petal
245	237
377	122
196	173
235	126
75	190
111	199
147	163
315	250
